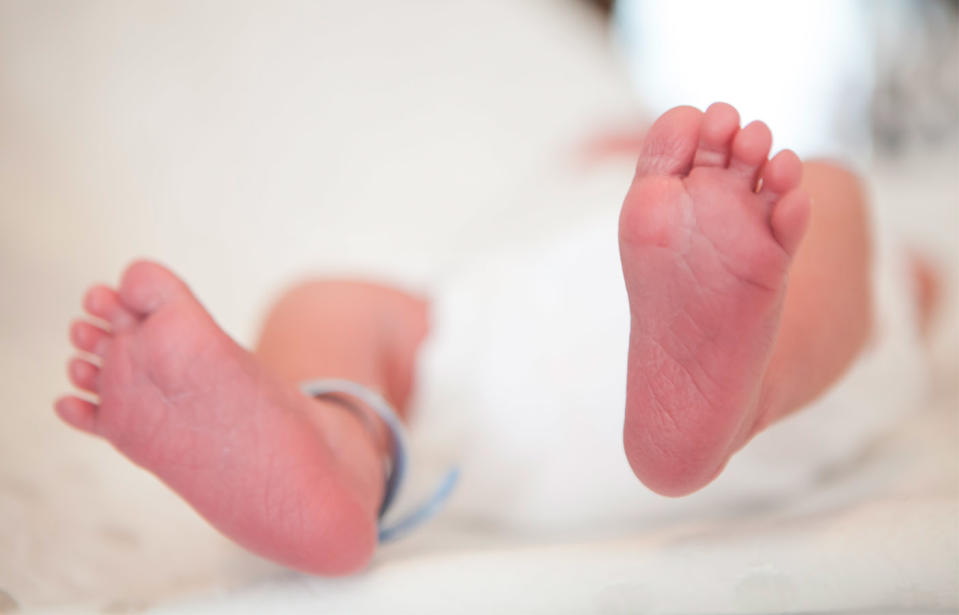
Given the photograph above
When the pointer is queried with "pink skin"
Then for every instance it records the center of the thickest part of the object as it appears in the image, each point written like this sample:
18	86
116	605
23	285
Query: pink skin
706	257
290	478
714	356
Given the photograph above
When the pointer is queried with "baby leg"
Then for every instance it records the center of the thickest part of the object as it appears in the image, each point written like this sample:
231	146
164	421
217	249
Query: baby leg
735	320
295	479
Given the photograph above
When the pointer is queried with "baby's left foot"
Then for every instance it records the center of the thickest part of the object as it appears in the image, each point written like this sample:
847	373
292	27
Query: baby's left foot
706	257
291	478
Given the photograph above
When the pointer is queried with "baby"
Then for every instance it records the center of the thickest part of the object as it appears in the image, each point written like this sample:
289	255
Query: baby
749	296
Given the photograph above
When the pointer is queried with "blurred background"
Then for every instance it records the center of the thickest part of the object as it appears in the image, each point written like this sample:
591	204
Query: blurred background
247	144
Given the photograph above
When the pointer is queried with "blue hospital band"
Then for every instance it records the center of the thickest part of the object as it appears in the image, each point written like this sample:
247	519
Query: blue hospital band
398	468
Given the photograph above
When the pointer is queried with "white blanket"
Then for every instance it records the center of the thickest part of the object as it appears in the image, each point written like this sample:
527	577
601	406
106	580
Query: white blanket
247	144
879	536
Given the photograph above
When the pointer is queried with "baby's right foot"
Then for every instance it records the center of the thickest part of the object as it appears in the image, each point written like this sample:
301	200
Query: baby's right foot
706	259
293	479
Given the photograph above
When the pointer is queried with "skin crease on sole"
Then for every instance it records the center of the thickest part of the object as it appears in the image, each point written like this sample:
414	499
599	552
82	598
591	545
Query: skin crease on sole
290	478
707	235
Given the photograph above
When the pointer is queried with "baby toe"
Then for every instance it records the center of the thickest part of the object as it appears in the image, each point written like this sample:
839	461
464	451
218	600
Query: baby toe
89	338
104	303
84	375
780	175
77	412
749	151
720	124
145	286
789	219
670	143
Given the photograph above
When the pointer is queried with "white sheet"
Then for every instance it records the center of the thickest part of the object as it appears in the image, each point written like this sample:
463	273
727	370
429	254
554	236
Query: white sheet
880	536
225	143
523	382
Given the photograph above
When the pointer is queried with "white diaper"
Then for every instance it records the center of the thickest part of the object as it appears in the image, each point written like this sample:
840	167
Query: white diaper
522	383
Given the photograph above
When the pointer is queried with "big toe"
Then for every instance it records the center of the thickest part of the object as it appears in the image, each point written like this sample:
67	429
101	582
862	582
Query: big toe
671	143
146	286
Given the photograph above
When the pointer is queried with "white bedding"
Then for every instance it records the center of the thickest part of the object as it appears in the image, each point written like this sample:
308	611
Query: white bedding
221	142
879	537
848	506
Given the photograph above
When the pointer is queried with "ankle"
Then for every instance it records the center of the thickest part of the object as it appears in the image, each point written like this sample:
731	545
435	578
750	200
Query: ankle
359	446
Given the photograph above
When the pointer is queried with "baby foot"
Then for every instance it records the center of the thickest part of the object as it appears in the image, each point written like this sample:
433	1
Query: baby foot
706	257
288	477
